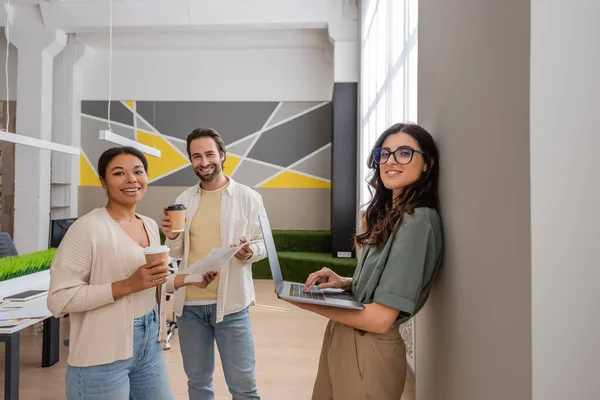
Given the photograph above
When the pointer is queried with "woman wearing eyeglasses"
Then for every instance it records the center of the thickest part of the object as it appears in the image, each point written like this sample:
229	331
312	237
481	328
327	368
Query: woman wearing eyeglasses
363	355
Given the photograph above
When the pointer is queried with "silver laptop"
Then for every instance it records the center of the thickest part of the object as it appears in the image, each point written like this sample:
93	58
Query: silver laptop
295	291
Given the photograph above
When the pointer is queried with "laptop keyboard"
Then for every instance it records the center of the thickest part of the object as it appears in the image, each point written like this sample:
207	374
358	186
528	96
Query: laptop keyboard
297	290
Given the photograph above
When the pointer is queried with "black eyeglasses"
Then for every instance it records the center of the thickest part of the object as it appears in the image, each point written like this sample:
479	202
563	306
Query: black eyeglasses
402	155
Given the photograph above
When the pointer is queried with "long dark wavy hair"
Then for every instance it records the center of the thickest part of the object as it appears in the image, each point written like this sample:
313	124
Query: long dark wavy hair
383	211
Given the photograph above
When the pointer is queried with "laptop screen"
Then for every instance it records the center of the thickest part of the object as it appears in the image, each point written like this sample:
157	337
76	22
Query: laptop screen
265	226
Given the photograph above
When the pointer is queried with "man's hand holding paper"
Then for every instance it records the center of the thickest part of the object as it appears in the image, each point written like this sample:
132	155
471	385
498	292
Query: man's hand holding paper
208	278
245	252
214	260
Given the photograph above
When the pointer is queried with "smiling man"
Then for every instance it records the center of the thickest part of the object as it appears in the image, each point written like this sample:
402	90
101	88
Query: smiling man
220	212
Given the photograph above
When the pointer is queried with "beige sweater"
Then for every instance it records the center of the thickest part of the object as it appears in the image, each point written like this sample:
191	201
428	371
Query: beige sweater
94	253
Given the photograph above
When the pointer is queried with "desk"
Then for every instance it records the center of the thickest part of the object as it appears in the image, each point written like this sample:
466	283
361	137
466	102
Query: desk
11	335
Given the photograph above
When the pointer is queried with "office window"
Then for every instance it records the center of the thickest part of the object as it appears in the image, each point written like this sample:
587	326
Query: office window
381	38
388	83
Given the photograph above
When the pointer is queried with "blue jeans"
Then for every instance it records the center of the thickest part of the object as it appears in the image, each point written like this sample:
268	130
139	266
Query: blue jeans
197	334
143	376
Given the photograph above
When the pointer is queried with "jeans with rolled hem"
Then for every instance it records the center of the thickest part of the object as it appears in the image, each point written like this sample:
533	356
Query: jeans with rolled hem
141	377
198	332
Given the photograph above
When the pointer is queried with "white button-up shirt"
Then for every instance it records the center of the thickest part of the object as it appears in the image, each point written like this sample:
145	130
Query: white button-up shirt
240	208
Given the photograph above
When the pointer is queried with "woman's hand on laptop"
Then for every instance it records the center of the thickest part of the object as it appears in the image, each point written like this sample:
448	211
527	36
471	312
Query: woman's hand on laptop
327	279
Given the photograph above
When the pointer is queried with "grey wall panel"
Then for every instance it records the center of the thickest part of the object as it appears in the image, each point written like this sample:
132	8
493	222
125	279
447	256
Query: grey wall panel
288	143
184	177
344	167
182	147
290	109
297	208
118	112
251	173
144	126
92	146
318	165
240	147
233	120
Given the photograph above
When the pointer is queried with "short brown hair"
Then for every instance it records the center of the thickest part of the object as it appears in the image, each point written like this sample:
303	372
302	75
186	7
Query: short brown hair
206	132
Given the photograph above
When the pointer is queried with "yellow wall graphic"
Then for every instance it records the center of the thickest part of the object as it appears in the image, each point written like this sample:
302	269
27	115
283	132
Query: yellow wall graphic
254	160
170	159
230	163
292	180
87	176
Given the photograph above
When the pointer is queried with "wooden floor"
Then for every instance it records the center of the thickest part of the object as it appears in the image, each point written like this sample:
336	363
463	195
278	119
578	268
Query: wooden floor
287	343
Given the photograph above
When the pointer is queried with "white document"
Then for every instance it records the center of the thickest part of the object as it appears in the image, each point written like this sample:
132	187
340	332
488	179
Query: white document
213	262
10	323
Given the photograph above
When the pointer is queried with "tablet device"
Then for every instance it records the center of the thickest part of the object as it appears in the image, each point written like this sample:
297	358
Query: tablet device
26	295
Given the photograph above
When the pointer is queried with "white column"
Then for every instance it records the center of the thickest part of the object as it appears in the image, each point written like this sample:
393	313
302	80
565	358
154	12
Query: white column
473	338
344	36
66	126
37	47
565	188
346	61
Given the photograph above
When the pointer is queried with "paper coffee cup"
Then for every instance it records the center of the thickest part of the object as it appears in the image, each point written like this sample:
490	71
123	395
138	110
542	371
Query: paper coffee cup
156	253
177	214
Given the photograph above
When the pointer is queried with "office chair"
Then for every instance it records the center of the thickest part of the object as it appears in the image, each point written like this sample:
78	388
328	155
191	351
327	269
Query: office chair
58	228
7	247
171	323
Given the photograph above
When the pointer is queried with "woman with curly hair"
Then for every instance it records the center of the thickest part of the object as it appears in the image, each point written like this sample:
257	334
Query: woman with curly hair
363	354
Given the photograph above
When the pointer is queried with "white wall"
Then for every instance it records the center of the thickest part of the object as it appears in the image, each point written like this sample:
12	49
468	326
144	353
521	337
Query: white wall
474	335
12	70
565	188
211	75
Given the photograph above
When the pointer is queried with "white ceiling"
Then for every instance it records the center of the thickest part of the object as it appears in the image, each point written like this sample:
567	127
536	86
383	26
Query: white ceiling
174	38
194	23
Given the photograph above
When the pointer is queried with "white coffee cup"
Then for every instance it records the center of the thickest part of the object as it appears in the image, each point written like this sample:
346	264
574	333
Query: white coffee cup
156	253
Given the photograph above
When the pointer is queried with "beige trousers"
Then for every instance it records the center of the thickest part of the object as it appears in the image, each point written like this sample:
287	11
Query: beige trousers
360	367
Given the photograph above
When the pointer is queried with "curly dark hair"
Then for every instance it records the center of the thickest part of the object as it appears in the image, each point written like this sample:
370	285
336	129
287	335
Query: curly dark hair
383	211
